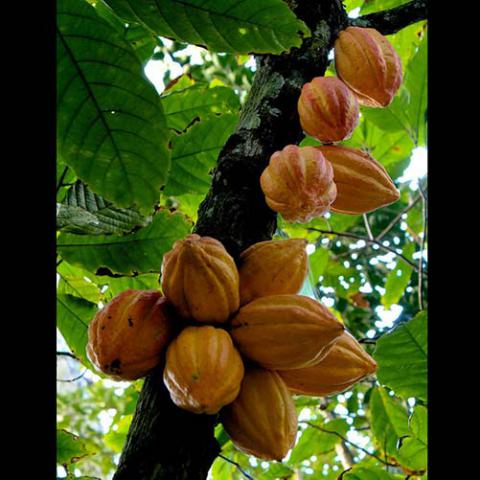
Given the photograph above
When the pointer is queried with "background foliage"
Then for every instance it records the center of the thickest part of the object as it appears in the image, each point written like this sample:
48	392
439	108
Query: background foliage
134	162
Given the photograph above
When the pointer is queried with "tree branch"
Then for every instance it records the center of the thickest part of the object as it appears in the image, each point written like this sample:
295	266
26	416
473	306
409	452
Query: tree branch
237	465
391	21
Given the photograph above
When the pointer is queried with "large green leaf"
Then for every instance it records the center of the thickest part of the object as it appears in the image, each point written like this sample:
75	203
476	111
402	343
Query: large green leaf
139	252
360	472
147	281
314	441
377	5
389	420
75	281
318	262
181	107
110	126
70	448
401	356
237	26
413	452
195	152
73	316
85	212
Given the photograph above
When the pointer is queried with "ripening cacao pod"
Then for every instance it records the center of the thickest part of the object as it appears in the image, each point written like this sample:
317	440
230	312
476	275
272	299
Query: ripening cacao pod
366	61
262	421
363	184
203	371
344	365
272	267
128	335
298	183
200	278
281	332
328	110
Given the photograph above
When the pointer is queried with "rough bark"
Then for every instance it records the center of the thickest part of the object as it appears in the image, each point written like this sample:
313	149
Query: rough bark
165	442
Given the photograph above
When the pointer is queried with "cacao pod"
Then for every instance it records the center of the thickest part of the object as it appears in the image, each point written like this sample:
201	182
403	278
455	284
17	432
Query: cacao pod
344	365
272	267
201	279
366	61
203	371
363	184
328	110
262	421
281	332
128	335
298	183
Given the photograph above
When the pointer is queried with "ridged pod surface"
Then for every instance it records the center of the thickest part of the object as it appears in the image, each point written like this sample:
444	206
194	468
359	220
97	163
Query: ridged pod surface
328	109
203	371
298	183
201	279
366	61
272	267
128	335
345	364
262	421
281	332
363	184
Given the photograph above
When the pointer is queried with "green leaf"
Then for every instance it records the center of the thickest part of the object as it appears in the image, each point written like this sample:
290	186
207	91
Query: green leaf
75	281
359	472
315	442
110	126
413	452
70	448
318	263
85	212
228	26
276	471
389	420
398	279
73	316
140	252
195	152
148	281
376	5
401	356
181	107
115	438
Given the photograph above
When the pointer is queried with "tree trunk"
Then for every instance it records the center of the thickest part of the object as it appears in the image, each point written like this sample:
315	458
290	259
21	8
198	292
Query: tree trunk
165	442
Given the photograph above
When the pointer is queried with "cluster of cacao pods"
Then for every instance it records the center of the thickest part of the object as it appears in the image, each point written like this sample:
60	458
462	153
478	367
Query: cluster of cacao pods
306	182
235	339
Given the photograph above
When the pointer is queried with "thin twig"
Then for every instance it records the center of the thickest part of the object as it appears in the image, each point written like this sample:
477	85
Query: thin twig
354	445
73	379
244	473
367	240
68	354
422	246
60	182
398	217
367	226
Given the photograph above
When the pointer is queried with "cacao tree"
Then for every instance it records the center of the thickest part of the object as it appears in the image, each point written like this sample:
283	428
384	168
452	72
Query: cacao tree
168	114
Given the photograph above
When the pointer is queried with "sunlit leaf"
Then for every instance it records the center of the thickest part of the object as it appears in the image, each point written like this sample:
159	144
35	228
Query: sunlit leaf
70	448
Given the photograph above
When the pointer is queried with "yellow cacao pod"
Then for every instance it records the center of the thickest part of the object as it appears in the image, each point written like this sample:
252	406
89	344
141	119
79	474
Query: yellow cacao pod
363	184
328	110
281	332
344	365
298	183
201	279
262	421
203	371
128	335
272	267
366	61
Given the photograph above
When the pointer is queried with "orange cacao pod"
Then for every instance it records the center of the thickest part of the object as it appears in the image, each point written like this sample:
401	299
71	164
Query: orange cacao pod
328	110
262	421
203	371
200	278
344	365
272	267
298	183
128	335
281	332
363	184
366	61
